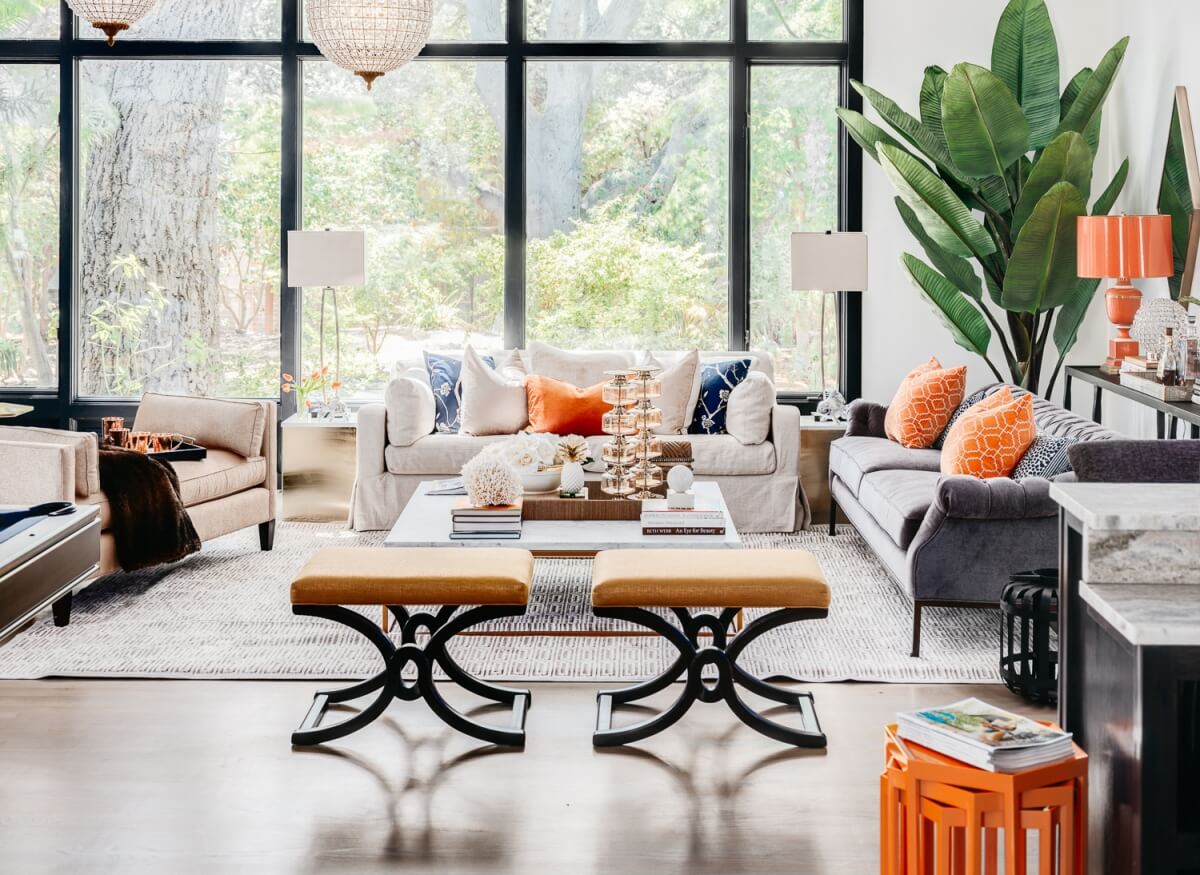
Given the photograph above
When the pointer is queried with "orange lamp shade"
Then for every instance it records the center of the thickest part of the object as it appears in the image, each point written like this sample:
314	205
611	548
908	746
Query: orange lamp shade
1125	247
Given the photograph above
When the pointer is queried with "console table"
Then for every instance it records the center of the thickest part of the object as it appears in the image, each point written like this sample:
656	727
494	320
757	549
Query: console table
1129	682
1102	382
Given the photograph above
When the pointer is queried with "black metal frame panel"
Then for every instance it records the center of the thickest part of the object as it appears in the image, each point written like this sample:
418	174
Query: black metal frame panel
63	405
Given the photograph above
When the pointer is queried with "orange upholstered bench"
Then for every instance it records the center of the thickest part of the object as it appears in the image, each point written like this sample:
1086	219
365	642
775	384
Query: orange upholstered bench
494	581
628	584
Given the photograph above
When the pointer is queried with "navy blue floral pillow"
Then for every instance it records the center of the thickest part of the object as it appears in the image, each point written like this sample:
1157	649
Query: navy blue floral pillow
445	378
717	380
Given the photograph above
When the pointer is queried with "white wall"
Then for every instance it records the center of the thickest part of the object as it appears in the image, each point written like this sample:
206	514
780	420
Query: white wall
905	36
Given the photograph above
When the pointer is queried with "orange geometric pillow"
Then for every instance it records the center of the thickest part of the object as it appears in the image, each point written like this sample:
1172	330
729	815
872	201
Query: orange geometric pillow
924	404
556	407
991	437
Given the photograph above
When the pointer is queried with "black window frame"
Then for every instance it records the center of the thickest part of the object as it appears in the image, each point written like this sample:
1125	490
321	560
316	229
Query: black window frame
65	407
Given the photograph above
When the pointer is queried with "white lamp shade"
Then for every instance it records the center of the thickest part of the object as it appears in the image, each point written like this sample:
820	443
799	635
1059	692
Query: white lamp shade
827	262
327	258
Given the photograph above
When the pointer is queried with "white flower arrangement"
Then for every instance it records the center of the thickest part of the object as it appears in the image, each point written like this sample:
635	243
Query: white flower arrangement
525	450
490	481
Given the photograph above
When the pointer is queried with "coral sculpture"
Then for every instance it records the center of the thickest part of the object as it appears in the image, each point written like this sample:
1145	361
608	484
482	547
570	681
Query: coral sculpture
490	480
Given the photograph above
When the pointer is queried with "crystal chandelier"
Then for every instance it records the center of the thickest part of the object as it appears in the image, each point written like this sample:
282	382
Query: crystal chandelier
111	16
369	37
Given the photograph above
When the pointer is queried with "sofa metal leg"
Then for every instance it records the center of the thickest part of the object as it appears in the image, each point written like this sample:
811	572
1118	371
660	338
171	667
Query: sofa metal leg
916	636
833	509
266	535
62	609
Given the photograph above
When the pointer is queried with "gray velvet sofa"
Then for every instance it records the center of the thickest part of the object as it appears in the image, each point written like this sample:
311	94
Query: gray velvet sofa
947	541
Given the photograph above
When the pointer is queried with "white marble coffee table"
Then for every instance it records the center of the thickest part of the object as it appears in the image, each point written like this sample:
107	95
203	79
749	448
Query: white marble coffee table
425	522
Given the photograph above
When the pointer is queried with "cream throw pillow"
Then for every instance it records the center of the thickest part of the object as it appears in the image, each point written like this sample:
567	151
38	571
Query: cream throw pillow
410	413
748	413
678	381
492	402
576	368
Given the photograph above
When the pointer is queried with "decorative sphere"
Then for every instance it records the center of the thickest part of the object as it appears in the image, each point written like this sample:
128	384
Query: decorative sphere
680	478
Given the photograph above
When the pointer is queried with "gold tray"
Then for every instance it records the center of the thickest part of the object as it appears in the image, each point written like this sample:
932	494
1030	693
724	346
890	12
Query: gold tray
597	506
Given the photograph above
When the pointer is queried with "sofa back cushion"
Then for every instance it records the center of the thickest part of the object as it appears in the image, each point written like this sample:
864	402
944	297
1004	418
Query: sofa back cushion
576	368
83	444
216	423
924	403
556	407
990	438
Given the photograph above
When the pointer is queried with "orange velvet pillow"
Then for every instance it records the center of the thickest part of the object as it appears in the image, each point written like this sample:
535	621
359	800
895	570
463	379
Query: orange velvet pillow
924	404
560	408
991	437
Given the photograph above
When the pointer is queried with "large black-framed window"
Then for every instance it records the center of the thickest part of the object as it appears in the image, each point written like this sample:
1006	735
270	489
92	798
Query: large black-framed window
58	71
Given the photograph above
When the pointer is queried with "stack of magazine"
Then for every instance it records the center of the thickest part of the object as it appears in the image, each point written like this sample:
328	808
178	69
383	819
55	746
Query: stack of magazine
985	736
469	522
658	519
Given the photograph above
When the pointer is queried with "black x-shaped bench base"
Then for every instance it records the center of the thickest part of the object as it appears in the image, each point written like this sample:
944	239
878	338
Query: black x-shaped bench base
390	681
721	652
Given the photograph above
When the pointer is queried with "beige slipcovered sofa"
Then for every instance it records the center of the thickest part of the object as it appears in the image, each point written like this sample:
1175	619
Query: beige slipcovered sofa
760	482
231	489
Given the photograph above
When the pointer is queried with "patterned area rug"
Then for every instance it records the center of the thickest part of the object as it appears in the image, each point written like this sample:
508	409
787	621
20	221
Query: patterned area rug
224	614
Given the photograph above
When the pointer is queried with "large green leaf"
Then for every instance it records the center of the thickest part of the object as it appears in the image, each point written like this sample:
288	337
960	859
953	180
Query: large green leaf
1175	199
931	100
1086	107
1066	159
1025	57
986	131
955	268
866	133
966	324
1108	198
1041	272
1070	317
911	129
944	216
1070	95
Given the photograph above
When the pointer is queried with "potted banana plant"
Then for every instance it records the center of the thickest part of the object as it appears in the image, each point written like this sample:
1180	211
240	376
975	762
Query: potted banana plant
991	178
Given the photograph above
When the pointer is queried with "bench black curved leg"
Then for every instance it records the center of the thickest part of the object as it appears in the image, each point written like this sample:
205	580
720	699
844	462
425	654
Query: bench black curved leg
390	680
722	655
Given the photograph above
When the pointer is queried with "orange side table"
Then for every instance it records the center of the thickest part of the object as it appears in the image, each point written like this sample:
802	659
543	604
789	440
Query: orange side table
939	816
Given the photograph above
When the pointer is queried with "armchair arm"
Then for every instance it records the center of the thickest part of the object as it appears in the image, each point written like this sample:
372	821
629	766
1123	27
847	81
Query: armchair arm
785	436
866	419
372	440
970	498
84	446
36	472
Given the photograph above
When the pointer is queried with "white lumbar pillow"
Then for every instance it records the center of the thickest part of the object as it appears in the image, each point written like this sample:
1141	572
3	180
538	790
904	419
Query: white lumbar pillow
677	381
410	413
492	402
748	414
581	369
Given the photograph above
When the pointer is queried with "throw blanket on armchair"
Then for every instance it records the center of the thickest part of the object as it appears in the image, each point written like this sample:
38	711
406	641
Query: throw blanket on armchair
149	523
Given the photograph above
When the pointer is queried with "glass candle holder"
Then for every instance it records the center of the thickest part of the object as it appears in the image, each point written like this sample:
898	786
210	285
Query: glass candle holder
618	422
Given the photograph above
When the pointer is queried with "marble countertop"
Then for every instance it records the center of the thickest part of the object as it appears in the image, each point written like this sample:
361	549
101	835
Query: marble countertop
1148	614
1132	507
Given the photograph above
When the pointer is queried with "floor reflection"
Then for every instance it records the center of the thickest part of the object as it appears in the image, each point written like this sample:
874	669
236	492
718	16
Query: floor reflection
408	782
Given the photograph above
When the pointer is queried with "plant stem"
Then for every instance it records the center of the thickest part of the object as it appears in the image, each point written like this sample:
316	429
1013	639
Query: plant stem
1001	333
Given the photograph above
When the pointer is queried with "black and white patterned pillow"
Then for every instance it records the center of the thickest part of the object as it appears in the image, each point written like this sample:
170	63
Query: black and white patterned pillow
965	405
1046	457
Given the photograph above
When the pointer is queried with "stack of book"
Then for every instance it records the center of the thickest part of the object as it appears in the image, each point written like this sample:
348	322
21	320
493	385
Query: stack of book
985	736
657	519
468	522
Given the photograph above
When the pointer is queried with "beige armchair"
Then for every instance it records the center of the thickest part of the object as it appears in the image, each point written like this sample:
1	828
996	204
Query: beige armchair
231	489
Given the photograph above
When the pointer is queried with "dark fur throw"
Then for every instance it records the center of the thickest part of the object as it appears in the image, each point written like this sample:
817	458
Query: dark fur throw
149	523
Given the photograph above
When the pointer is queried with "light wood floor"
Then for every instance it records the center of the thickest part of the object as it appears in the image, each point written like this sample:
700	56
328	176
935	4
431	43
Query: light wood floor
173	777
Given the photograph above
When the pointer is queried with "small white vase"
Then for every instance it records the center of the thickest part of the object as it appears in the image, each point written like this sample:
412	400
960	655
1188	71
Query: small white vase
572	477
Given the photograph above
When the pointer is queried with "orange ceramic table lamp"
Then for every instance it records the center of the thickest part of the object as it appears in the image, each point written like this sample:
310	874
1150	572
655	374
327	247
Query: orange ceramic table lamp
1124	248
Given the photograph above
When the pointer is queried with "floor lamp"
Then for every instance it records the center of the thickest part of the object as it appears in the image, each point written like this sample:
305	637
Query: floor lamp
327	259
829	262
